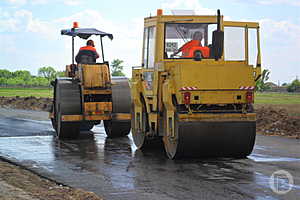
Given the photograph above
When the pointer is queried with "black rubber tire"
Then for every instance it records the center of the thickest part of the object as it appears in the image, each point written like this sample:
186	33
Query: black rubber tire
67	101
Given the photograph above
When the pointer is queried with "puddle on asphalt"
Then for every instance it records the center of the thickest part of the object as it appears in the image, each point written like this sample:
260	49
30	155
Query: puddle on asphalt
265	158
48	122
258	147
265	198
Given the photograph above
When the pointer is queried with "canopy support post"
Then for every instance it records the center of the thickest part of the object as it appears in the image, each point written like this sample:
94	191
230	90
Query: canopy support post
72	50
102	49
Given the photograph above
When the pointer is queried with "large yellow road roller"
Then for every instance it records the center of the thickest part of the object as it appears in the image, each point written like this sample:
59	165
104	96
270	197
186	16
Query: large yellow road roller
194	92
89	95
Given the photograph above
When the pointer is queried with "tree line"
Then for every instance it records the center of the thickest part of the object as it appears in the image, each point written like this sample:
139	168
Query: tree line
24	78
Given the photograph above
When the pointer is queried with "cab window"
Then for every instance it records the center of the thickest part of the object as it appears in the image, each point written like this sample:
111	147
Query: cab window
241	44
149	47
183	40
252	46
234	43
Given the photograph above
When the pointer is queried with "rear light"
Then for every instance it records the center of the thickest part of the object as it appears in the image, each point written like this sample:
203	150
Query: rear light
249	97
187	98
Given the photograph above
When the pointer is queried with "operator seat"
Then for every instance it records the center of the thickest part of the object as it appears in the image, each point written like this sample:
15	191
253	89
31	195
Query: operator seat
86	59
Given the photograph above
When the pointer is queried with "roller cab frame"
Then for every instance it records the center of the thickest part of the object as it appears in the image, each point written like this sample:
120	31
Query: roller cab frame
200	104
88	95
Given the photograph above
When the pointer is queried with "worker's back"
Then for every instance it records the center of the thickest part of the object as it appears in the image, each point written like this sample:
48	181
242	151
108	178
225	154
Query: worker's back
86	55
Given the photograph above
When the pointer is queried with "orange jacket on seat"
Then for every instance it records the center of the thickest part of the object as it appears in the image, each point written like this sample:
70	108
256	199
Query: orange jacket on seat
187	46
205	51
190	47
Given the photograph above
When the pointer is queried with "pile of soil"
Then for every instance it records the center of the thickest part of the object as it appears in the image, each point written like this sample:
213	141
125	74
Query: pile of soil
272	121
17	183
26	103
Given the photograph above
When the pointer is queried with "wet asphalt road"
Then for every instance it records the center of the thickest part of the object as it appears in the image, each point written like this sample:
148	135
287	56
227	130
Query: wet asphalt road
115	169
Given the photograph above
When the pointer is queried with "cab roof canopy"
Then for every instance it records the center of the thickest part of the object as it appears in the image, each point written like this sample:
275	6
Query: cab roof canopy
85	33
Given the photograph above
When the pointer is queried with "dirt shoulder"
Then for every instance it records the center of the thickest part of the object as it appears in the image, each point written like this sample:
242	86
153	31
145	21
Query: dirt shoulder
278	120
26	103
17	183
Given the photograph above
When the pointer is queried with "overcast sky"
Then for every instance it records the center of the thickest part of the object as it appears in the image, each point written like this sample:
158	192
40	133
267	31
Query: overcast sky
30	30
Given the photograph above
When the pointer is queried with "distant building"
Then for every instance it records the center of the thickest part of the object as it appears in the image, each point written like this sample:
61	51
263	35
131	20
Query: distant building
272	87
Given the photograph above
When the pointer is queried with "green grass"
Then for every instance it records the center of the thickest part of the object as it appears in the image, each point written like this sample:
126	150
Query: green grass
26	92
277	98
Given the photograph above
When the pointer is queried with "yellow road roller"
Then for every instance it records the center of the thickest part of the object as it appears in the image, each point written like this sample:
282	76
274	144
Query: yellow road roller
194	92
88	94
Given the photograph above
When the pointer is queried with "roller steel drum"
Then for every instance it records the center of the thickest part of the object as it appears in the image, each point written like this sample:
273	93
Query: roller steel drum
211	139
121	103
67	101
